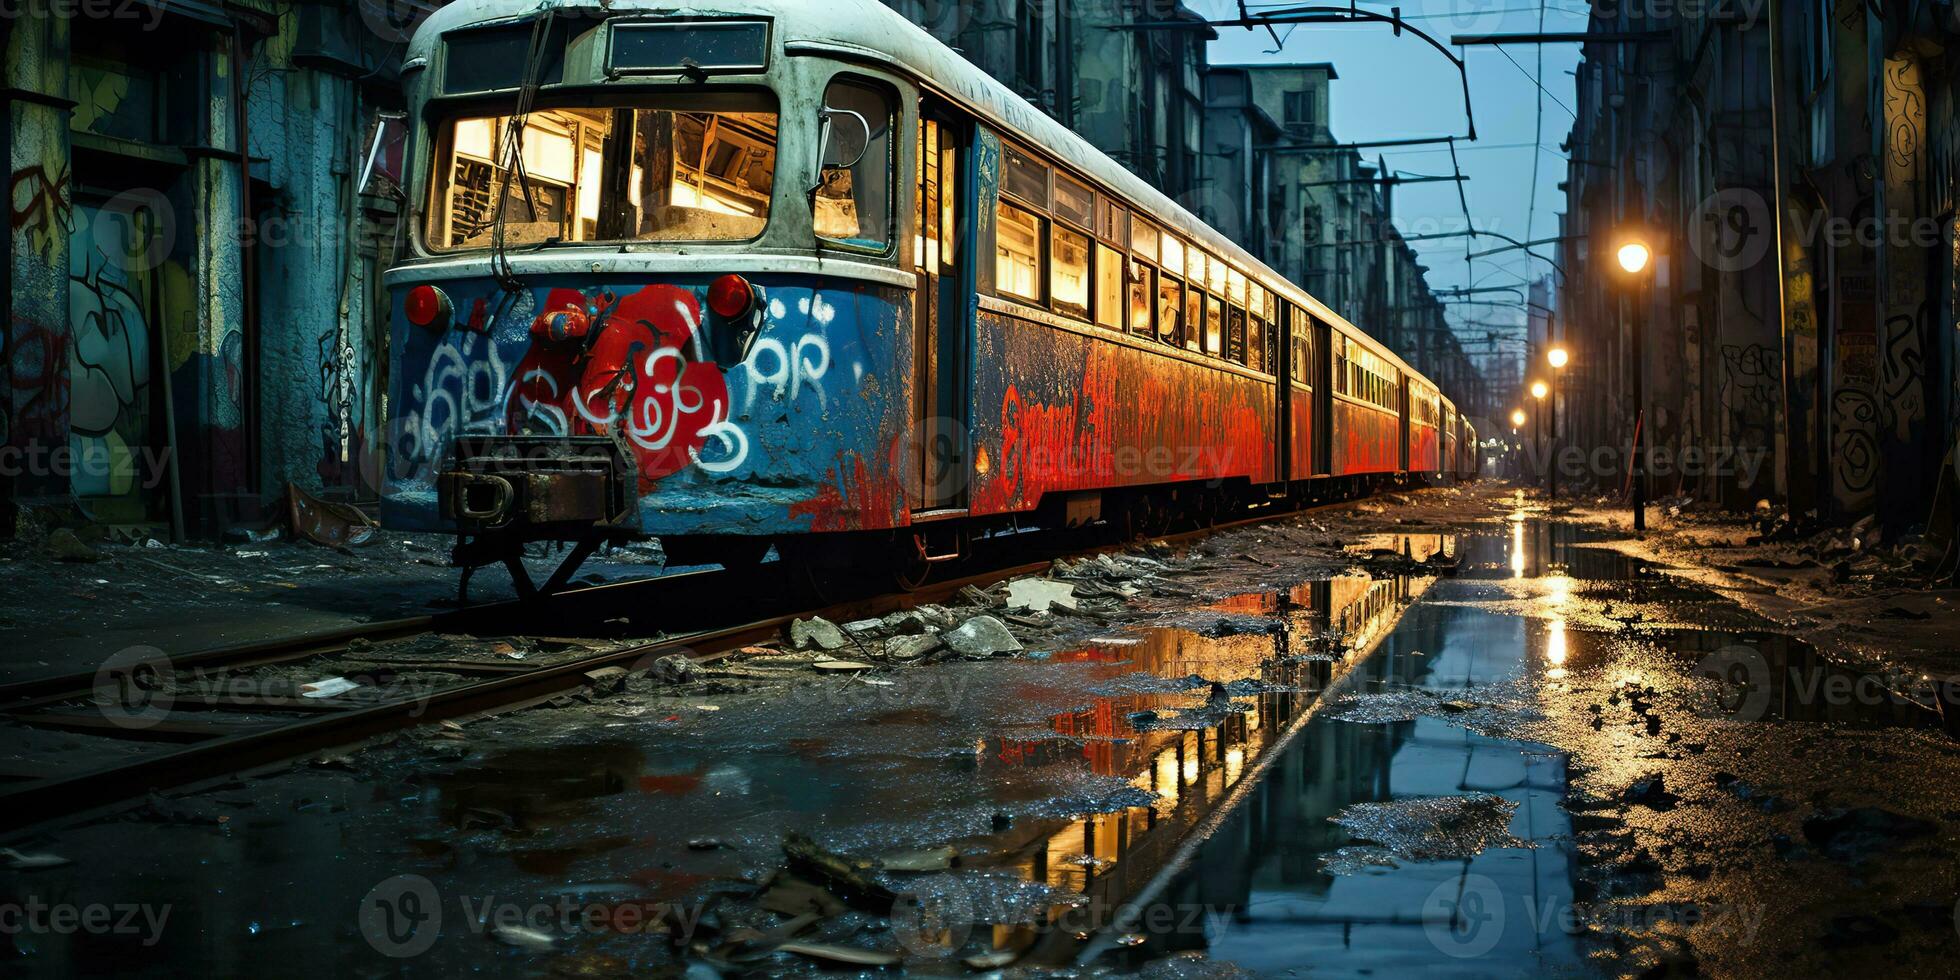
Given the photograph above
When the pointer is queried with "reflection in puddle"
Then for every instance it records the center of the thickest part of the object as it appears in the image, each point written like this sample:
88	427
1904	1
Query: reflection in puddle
1393	840
1186	718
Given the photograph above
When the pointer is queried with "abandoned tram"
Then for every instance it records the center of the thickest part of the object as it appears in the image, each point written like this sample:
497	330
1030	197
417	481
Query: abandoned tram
781	273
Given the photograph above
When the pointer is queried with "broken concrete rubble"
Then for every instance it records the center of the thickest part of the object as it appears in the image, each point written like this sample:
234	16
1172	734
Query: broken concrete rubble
1038	595
982	637
816	633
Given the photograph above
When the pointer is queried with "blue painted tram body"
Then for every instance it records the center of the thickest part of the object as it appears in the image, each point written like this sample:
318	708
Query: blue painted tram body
755	271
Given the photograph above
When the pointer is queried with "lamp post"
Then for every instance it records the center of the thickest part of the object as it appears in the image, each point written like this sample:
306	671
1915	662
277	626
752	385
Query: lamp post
1636	258
1538	391
1557	357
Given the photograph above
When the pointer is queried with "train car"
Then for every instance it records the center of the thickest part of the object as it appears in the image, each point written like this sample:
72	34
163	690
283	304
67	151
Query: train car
766	271
1369	437
1424	412
1471	455
1451	429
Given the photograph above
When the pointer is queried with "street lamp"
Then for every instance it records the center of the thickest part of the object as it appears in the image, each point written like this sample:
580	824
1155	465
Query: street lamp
1636	259
1558	358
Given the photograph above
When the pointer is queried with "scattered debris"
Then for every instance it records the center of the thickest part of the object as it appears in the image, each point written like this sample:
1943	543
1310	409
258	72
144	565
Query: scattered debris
21	861
523	937
1037	595
327	688
1434	828
982	637
816	633
841	666
931	859
65	545
854	955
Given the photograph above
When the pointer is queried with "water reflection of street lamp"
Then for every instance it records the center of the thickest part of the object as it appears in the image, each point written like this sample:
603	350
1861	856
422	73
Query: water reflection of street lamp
1636	258
1558	358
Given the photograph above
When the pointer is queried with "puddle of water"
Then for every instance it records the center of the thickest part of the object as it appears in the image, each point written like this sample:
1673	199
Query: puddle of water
1395	847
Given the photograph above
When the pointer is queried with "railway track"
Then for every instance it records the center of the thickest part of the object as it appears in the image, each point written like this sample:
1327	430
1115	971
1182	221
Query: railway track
200	736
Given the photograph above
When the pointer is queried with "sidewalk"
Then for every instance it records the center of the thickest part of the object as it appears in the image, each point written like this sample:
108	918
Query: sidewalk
1850	593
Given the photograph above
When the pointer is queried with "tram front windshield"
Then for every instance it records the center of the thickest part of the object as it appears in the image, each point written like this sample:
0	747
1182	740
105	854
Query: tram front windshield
603	174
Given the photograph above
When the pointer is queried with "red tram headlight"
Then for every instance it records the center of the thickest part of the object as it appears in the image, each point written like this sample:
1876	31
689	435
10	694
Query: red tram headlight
730	296
427	306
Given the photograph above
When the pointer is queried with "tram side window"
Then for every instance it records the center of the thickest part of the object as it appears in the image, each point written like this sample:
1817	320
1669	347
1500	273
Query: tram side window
1255	344
854	195
1017	253
1194	317
1069	280
1170	311
1141	288
1215	327
1111	288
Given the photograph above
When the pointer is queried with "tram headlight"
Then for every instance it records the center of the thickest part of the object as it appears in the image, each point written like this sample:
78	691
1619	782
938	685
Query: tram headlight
426	306
731	296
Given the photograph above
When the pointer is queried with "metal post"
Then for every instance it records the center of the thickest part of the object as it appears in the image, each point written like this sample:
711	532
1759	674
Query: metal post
1639	416
1553	464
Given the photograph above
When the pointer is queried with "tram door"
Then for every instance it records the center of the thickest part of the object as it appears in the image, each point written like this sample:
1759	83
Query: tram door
942	262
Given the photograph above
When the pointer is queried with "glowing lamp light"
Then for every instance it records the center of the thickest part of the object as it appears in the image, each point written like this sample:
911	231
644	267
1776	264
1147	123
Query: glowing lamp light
1634	257
730	296
1557	357
1517	418
427	306
1539	389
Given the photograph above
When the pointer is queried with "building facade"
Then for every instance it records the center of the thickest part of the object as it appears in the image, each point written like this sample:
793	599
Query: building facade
194	257
1796	168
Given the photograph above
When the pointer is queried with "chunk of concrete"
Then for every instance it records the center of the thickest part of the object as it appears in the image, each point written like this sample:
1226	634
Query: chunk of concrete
1039	595
911	647
66	545
816	633
983	636
909	622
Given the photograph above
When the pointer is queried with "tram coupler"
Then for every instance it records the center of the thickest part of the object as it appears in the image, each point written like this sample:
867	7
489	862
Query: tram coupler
504	492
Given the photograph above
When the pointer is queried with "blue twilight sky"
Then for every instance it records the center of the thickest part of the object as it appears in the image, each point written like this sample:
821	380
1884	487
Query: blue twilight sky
1391	88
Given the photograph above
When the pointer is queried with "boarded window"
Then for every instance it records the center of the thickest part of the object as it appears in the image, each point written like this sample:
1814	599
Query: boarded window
1111	292
1069	282
1017	253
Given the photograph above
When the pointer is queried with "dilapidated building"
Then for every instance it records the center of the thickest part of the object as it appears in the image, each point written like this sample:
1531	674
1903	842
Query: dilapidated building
200	215
1794	165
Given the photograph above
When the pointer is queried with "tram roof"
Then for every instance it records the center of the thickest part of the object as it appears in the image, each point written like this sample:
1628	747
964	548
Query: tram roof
870	31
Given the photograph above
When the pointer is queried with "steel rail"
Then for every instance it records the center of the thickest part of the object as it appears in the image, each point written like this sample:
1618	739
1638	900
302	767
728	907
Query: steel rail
31	803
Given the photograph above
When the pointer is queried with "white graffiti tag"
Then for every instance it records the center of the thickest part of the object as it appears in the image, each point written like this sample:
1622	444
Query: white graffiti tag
786	370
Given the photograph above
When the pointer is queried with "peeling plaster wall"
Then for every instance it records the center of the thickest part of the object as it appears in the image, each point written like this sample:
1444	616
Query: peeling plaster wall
316	353
37	337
